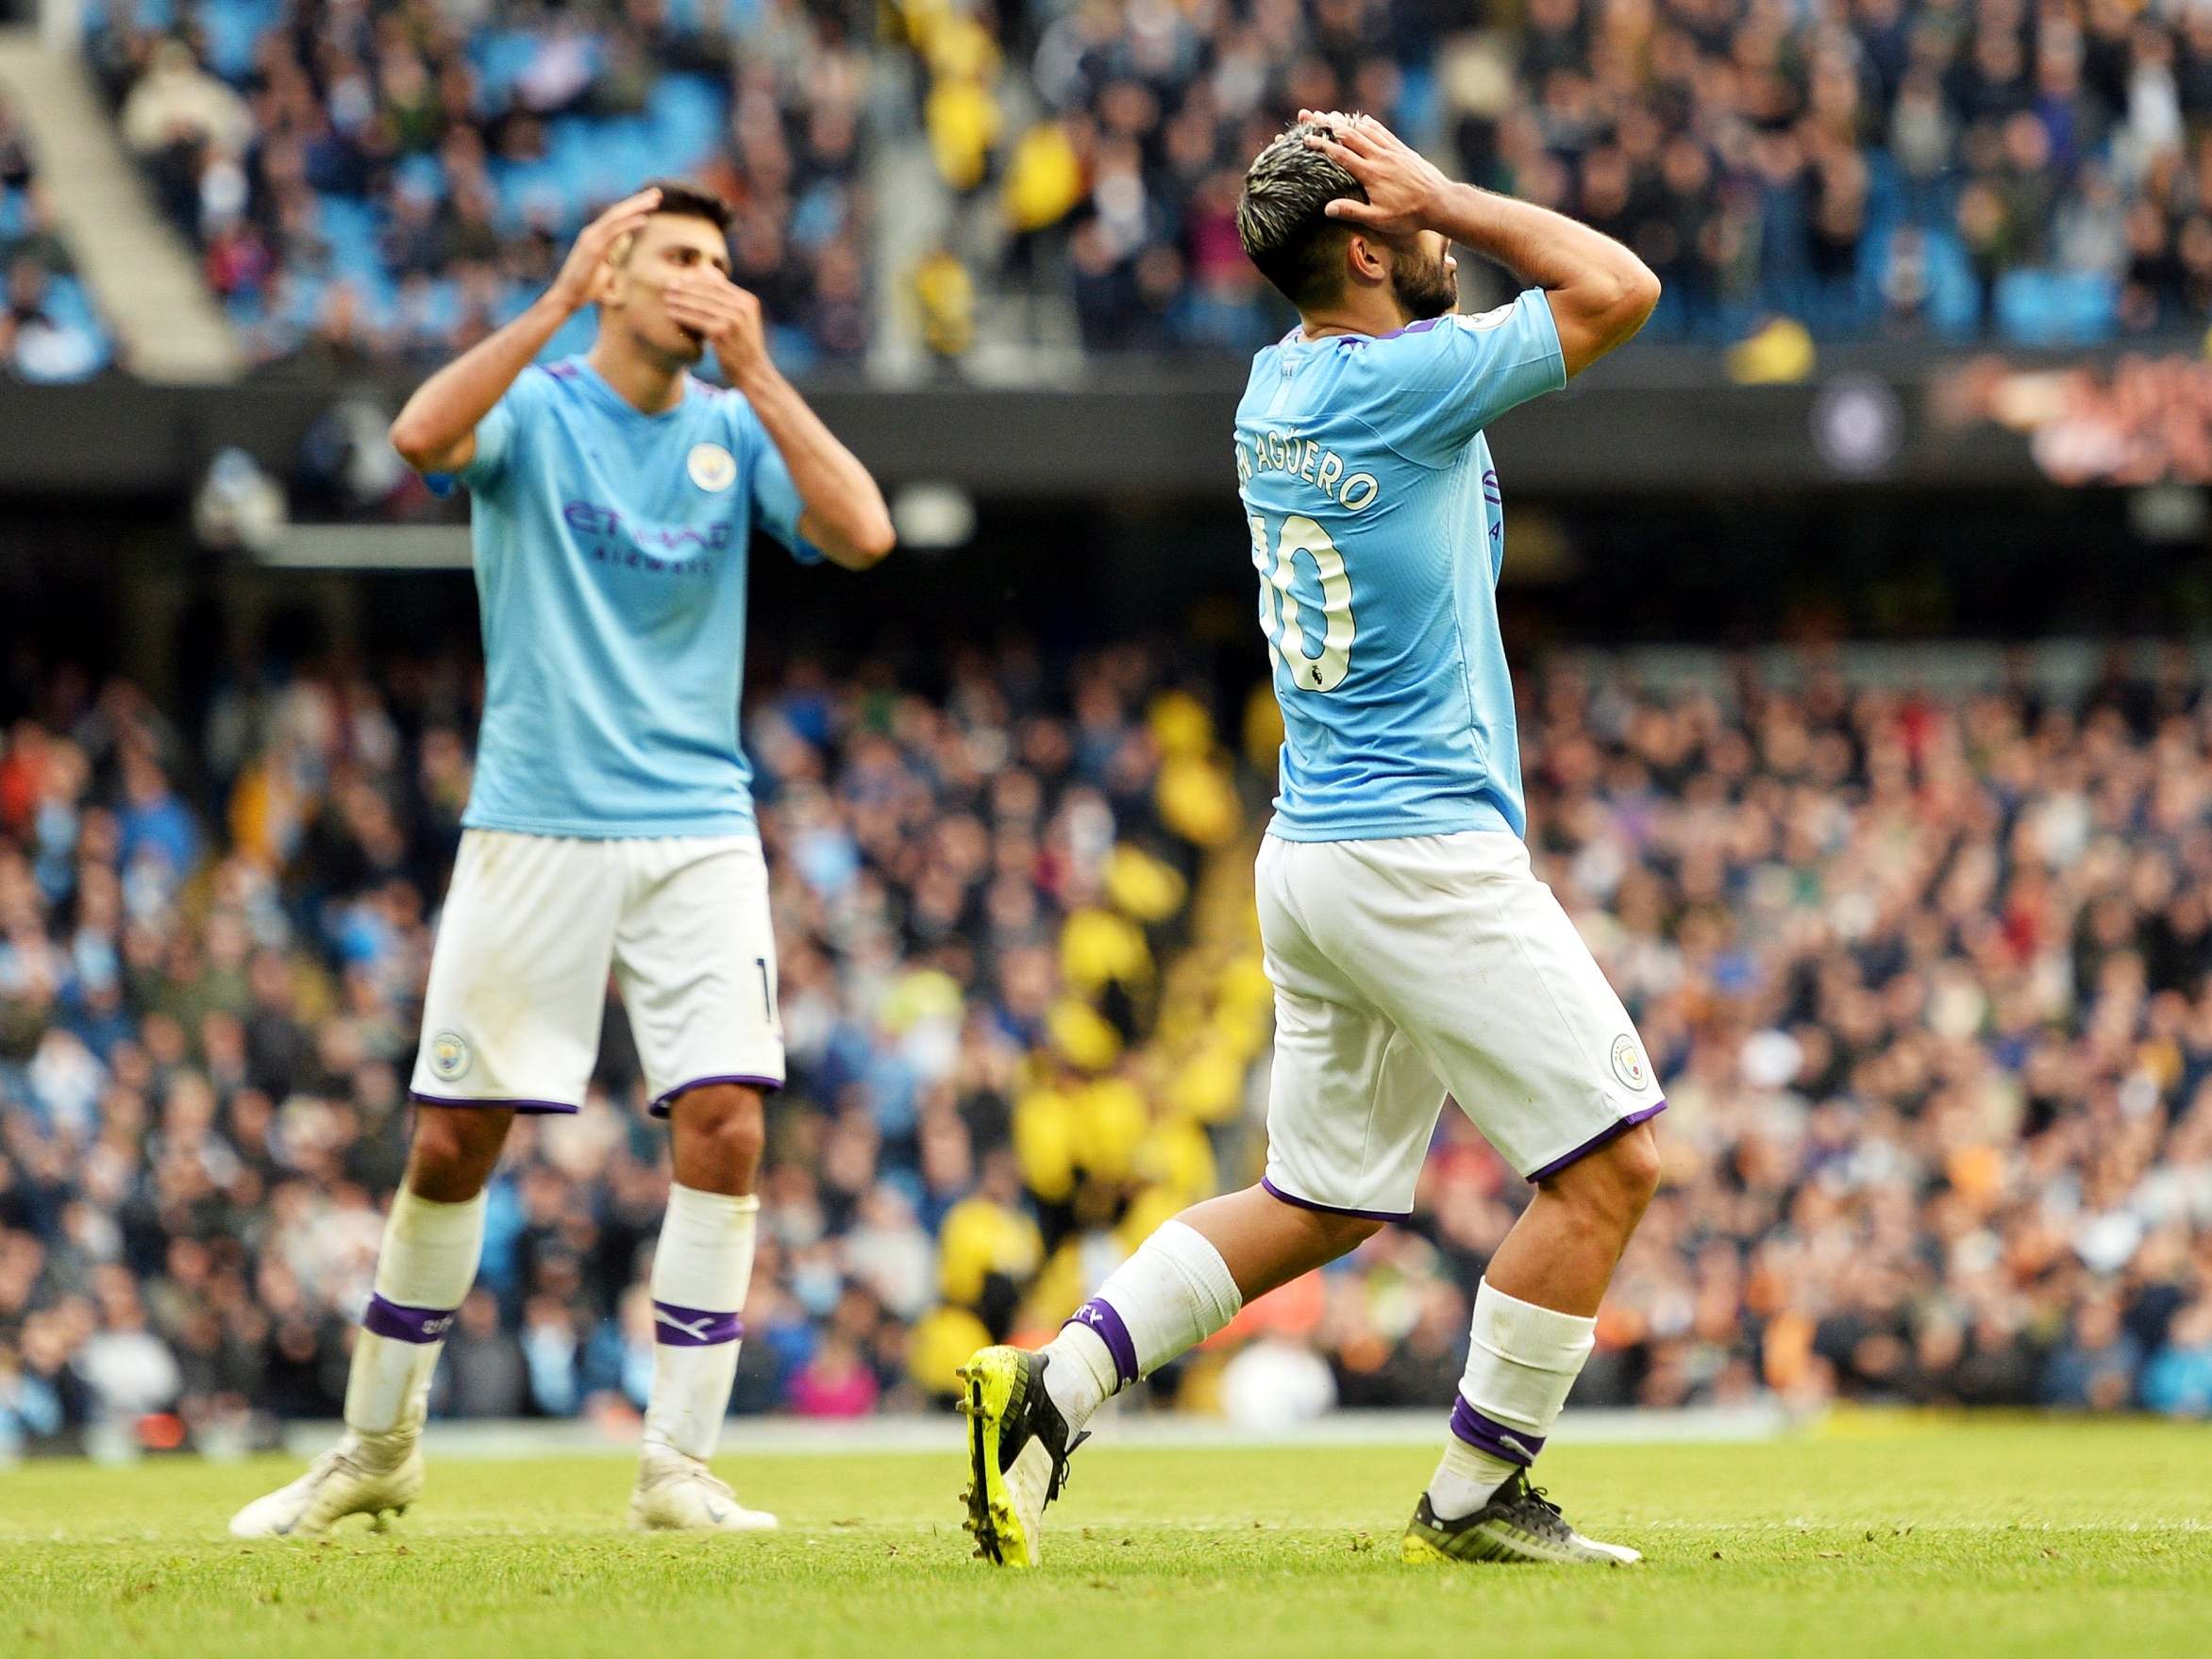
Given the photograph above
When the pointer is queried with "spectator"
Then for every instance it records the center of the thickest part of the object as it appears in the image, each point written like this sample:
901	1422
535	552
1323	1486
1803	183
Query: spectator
2097	1367
2178	1381
1930	978
486	1373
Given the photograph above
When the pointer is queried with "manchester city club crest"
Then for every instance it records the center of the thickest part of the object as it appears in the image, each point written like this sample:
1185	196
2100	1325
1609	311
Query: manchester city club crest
1627	1060
450	1055
711	467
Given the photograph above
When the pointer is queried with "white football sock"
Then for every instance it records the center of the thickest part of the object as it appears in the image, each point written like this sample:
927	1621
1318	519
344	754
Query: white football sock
1165	1299
423	1268
1522	1360
701	1269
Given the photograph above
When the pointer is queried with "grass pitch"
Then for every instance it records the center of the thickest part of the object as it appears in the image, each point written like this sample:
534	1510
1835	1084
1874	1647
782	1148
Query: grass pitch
2018	1538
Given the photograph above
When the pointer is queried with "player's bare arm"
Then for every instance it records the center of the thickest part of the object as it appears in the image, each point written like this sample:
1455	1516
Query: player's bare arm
1600	293
845	517
436	431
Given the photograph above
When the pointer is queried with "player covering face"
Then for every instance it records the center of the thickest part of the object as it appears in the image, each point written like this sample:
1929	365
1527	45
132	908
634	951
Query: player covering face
609	825
1412	952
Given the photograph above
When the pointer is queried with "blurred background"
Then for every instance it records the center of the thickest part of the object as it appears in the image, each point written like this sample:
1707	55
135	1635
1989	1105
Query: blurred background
1860	609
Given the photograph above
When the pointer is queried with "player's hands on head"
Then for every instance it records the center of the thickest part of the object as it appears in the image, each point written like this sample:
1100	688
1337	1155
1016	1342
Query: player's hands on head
587	275
723	315
1403	187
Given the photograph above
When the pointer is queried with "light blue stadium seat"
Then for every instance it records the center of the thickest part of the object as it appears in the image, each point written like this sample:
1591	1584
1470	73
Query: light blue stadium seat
232	29
1955	304
157	15
2056	308
687	112
572	338
422	173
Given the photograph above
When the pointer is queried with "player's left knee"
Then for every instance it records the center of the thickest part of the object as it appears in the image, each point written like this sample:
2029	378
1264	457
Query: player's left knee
1615	1183
1638	1165
720	1132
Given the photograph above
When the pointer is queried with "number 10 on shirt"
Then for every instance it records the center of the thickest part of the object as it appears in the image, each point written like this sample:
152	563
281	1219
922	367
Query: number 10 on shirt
1279	608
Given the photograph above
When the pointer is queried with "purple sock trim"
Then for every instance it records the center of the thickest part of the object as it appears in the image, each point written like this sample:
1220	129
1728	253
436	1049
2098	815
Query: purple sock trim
1488	1434
1102	1322
1611	1132
405	1324
693	1326
667	1098
527	1108
1275	1192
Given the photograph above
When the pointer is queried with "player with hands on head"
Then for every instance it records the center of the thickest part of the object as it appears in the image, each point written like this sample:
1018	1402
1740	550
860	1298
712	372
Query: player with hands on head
609	825
1414	953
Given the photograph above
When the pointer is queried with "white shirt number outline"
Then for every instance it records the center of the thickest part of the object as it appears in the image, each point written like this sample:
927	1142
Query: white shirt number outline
1279	608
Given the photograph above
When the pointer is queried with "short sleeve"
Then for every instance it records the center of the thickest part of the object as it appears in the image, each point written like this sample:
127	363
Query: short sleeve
775	504
497	432
1447	379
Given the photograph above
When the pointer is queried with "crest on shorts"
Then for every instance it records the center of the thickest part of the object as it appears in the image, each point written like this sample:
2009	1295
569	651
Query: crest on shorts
1627	1060
711	467
450	1055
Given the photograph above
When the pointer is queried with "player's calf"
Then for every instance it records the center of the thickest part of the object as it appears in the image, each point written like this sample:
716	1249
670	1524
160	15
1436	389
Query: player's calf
701	1267
1533	1328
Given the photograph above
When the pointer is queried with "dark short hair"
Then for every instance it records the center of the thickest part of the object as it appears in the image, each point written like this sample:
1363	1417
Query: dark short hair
1282	219
691	201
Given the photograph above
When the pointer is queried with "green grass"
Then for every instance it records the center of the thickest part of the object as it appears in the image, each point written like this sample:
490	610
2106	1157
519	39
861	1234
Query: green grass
2018	1538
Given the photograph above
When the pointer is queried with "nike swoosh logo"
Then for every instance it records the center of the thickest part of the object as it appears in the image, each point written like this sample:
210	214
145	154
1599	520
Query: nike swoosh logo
696	1329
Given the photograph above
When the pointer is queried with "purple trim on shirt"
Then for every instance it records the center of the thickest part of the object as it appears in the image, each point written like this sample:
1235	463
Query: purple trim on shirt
1099	1317
1486	1434
1420	327
678	1327
1603	1137
1274	1191
527	1108
667	1098
405	1324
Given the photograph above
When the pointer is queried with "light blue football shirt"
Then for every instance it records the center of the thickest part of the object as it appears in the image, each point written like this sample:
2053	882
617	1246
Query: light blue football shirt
1378	532
611	550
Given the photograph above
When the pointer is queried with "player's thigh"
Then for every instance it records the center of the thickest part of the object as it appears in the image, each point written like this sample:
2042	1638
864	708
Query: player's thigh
695	954
1488	977
1351	1104
518	972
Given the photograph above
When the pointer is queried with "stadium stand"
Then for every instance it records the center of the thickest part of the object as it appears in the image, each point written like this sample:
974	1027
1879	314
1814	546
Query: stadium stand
50	330
1879	169
395	180
1926	974
390	180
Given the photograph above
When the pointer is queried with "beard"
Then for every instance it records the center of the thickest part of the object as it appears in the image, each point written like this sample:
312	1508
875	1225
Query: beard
1425	291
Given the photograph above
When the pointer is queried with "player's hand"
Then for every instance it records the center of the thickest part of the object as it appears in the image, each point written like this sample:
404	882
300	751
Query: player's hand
726	316
1403	188
587	275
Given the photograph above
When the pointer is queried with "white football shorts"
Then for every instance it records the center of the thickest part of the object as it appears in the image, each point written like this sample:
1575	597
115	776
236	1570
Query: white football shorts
1410	968
533	923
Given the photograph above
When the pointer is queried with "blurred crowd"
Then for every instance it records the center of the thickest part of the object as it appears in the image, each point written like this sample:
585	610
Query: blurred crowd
49	330
393	179
213	945
1925	975
2042	173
